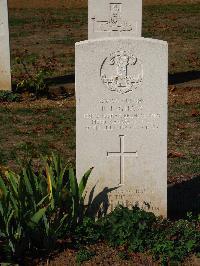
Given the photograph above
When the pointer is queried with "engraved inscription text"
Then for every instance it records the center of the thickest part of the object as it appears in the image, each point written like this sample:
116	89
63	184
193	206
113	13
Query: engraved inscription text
115	22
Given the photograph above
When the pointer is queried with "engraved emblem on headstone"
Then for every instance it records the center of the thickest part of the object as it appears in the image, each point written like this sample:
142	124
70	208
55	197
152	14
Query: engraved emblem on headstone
122	154
115	22
121	72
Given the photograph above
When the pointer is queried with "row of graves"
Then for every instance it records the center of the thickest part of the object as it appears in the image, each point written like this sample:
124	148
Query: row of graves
121	107
121	110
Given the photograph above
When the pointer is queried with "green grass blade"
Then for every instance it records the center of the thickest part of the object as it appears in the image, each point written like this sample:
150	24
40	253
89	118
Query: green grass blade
73	184
13	181
42	201
75	195
49	176
36	218
8	221
14	202
1	210
57	163
61	223
84	181
27	182
3	188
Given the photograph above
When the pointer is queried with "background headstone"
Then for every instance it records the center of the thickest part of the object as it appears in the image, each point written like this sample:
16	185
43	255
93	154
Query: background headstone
5	75
121	93
108	18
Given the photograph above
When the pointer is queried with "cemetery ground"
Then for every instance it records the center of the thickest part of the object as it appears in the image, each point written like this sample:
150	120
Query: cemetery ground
39	120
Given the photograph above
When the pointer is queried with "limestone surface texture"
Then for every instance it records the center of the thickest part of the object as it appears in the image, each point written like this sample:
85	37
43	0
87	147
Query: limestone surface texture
5	75
108	18
121	127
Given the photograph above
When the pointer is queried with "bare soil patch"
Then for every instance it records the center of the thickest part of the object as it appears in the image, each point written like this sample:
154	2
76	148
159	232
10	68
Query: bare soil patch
105	255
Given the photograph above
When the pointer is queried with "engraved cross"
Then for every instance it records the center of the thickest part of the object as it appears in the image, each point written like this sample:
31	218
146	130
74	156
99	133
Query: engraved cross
122	154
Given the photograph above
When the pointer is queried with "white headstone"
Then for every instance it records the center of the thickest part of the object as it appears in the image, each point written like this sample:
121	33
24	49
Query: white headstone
5	75
108	18
121	93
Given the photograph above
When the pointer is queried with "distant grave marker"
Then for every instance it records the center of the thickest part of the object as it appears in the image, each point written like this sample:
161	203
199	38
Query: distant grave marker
5	75
108	18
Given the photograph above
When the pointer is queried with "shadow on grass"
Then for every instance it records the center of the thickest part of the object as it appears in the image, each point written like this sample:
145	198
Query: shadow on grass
176	78
182	77
61	80
184	198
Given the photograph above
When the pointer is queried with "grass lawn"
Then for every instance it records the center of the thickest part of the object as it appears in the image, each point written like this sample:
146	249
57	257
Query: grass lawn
28	130
31	131
48	35
45	38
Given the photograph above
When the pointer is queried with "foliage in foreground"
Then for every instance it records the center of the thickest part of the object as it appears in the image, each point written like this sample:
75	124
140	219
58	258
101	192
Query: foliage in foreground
8	96
32	74
138	231
84	255
37	209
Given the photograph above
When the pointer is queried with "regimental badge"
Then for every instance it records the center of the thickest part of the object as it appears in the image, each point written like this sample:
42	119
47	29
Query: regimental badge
121	72
115	21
